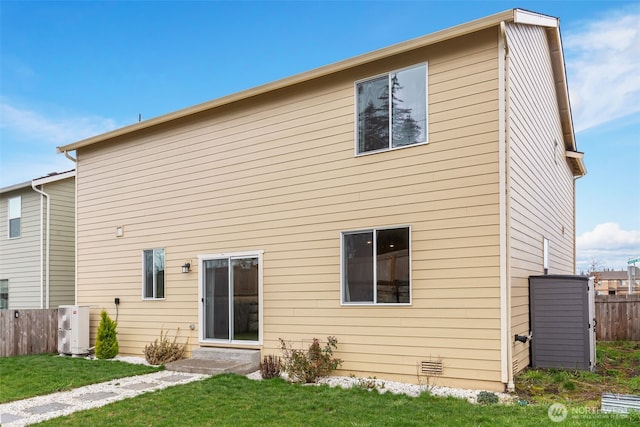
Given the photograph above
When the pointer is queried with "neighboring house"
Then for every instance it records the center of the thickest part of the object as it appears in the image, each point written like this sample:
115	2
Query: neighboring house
37	242
316	205
611	282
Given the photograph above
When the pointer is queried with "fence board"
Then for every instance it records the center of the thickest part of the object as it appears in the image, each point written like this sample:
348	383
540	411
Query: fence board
31	332
618	317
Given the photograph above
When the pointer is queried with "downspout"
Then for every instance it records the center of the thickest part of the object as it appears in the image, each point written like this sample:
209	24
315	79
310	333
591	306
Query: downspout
506	346
48	234
75	227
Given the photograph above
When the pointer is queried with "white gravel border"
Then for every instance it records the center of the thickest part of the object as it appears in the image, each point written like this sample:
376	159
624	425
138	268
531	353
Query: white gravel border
394	387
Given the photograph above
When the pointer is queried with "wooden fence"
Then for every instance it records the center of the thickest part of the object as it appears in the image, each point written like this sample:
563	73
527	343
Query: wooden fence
28	332
618	317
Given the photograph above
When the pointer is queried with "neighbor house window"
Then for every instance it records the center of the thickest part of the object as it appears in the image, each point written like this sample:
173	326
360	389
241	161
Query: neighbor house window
153	274
392	110
4	294
15	214
376	266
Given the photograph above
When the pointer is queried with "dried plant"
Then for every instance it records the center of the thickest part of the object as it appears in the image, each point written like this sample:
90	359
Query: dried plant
306	366
270	367
163	350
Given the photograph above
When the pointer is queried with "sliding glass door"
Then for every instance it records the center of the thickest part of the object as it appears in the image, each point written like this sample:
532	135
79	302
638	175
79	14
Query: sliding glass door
230	298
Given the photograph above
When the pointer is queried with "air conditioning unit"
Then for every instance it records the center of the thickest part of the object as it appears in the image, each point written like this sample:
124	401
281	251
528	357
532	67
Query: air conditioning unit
73	330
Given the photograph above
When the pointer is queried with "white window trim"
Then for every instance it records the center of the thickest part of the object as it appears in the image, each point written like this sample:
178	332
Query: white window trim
355	112
154	277
375	291
9	218
231	255
545	255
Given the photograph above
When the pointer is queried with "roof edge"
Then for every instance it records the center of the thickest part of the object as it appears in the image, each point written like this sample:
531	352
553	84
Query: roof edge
426	40
54	177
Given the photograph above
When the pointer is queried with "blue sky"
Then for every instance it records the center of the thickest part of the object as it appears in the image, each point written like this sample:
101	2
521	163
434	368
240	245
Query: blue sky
70	70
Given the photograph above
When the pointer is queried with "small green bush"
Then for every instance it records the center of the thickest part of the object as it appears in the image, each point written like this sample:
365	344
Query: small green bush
306	366
164	351
270	367
487	398
106	341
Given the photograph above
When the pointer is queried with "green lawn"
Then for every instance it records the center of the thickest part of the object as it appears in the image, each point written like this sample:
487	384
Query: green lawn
22	377
238	401
231	400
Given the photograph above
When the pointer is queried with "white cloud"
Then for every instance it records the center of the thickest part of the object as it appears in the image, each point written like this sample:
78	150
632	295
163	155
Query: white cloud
60	130
603	68
29	138
607	244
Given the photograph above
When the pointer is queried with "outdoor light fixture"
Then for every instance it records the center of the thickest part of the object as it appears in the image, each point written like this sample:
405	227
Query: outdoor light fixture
186	267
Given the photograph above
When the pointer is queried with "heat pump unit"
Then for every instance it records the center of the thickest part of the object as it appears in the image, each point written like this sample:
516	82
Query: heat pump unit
73	330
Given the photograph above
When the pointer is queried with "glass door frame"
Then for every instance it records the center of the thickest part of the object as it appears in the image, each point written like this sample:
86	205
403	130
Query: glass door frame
201	314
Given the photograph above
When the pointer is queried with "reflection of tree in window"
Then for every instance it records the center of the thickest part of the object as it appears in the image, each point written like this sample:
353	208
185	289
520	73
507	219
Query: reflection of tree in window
373	117
407	111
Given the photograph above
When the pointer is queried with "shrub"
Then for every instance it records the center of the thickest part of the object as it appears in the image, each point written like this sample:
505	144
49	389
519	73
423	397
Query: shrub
487	398
369	383
106	341
164	351
306	366
270	367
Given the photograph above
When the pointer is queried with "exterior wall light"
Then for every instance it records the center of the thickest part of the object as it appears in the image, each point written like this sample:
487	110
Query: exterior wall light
186	267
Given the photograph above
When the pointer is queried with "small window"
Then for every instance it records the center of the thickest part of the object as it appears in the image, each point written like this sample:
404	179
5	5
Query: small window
15	214
382	124
4	294
376	266
153	274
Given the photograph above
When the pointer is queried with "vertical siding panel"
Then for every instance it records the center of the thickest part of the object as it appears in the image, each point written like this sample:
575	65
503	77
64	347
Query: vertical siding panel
542	188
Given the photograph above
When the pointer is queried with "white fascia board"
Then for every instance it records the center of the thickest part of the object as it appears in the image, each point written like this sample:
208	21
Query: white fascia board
531	18
574	154
15	187
53	178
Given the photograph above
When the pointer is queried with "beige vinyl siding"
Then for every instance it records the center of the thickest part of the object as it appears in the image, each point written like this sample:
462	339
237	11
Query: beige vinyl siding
542	188
62	248
20	257
278	173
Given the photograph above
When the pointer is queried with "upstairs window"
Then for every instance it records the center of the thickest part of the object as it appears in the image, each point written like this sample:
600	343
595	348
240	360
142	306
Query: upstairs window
376	266
153	274
15	214
386	122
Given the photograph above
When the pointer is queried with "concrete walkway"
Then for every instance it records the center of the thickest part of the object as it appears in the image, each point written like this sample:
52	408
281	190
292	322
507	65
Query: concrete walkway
36	409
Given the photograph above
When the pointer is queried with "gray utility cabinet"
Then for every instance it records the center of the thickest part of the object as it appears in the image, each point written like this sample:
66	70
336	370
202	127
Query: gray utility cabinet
562	314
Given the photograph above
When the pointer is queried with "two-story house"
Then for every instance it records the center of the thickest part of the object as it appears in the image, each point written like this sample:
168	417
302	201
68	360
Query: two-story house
616	282
37	242
398	200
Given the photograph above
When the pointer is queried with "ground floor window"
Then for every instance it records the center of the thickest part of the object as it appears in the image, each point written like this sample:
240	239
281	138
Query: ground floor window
376	266
4	294
153	274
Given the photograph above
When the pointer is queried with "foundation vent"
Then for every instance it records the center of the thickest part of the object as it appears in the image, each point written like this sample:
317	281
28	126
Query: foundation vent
431	367
515	366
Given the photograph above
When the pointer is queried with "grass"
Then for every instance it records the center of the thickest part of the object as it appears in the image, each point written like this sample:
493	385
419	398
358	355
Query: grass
617	371
231	400
22	377
238	401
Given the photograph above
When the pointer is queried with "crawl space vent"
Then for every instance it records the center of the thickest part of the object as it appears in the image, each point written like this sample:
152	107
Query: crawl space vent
431	367
515	366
